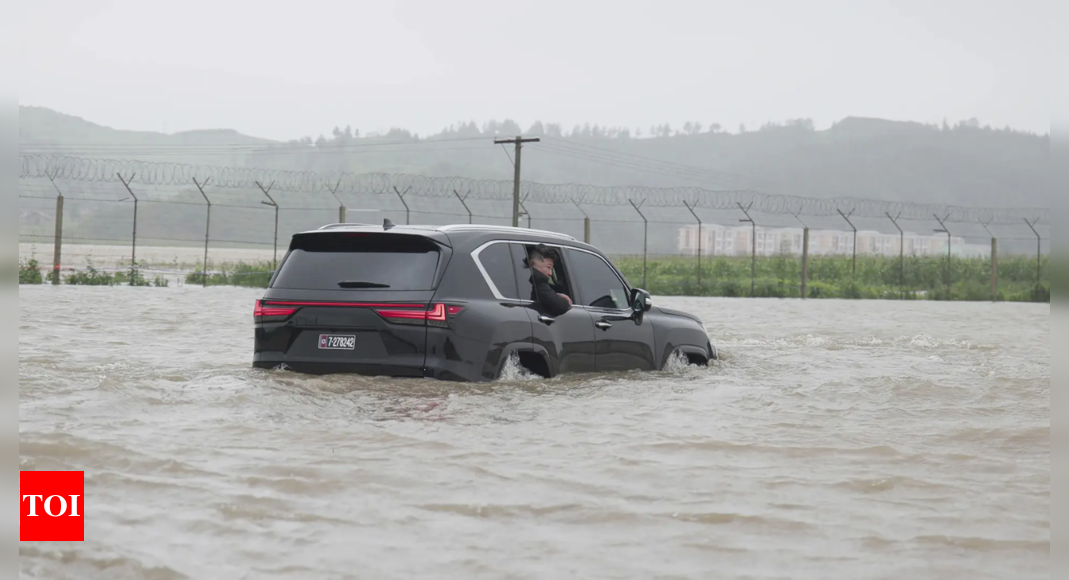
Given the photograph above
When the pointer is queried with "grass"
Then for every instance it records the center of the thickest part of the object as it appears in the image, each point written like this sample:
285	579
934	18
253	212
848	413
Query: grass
833	277
254	275
30	274
776	277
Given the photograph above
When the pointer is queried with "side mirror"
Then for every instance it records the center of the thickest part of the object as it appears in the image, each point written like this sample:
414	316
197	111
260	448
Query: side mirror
641	300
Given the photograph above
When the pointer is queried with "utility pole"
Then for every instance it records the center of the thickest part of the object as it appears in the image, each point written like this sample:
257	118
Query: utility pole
518	142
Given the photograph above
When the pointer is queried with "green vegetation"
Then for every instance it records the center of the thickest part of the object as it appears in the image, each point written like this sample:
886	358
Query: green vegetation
30	273
91	277
776	277
780	277
254	275
832	277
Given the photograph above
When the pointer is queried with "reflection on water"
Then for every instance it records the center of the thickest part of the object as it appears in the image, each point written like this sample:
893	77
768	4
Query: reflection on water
833	439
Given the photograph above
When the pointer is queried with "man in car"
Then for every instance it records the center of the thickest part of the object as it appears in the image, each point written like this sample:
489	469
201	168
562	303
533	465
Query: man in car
545	293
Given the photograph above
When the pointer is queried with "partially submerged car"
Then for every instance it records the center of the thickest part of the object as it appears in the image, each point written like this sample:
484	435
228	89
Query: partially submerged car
456	303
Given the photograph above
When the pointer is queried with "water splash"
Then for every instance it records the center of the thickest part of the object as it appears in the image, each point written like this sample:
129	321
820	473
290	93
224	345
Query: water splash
514	371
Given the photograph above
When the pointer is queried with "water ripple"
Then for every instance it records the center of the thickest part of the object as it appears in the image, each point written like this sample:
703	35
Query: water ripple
835	439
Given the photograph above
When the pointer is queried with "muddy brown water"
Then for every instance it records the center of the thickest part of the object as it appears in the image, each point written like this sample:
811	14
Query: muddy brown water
834	440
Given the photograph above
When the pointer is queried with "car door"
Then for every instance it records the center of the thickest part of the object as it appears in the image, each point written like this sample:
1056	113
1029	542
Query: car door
623	340
568	339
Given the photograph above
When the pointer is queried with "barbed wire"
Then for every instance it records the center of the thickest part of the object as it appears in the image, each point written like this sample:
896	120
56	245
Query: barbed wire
150	173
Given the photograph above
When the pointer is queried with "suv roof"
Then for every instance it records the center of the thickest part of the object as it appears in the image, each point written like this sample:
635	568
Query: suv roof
446	229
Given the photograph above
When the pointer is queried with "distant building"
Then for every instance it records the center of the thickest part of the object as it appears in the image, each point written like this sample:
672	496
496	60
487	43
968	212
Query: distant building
718	240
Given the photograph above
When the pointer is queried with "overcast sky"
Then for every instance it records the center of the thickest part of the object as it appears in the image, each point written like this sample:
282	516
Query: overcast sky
286	69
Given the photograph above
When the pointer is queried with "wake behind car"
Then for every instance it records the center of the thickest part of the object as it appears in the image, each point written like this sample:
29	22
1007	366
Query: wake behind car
455	303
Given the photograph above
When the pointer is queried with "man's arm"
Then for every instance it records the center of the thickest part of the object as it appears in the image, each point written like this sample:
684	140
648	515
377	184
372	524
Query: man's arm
553	302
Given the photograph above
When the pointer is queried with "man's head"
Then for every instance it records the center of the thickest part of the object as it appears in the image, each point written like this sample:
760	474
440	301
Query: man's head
542	258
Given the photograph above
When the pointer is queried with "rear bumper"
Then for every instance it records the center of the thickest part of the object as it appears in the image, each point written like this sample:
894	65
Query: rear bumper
448	358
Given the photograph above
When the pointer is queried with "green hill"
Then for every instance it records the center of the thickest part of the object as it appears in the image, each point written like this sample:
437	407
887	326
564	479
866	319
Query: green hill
857	157
46	131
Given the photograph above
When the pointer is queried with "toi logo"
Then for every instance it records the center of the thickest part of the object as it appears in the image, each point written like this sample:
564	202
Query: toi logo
53	506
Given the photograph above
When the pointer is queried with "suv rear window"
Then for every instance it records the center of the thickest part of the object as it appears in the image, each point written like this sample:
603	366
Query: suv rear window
340	261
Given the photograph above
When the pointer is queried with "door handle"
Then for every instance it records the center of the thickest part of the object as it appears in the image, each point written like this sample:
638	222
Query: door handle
602	324
545	319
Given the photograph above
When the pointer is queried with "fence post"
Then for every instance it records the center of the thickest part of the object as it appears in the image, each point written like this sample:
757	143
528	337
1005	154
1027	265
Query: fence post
403	202
699	243
57	255
1039	257
207	230
946	231
272	203
464	204
805	257
525	212
753	246
645	237
901	254
133	252
586	221
994	263
341	206
847	218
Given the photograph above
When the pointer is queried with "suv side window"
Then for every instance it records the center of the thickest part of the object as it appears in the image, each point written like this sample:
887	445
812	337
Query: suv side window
598	285
497	261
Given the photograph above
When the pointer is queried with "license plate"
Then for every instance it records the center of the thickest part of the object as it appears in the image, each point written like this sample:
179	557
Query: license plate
336	342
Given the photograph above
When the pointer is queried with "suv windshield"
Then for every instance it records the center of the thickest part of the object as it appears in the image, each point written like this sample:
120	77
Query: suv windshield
340	261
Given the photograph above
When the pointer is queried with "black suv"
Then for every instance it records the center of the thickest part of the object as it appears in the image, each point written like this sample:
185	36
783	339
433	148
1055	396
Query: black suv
455	303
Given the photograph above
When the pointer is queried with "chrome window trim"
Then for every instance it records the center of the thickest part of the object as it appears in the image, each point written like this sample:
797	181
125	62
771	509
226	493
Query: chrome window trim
482	270
497	293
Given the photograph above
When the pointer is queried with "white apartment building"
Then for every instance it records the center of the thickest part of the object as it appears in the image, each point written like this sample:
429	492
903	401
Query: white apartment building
718	240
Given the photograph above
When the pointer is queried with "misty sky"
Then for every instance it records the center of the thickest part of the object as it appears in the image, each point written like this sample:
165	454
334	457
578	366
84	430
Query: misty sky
286	69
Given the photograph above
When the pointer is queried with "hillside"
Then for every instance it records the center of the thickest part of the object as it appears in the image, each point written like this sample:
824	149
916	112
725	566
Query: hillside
46	131
867	158
964	165
857	157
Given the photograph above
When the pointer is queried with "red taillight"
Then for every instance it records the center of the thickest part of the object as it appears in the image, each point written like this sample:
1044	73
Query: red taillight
262	311
436	315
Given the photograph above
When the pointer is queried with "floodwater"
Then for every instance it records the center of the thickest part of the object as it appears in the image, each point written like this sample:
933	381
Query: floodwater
834	440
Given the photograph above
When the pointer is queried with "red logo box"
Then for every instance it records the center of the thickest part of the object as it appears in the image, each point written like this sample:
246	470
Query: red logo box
53	506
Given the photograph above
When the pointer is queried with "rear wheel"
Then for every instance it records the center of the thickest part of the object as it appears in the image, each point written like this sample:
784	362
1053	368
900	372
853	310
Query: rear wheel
520	363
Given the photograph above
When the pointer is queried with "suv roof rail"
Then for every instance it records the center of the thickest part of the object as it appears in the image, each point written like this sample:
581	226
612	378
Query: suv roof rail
345	225
510	229
458	228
